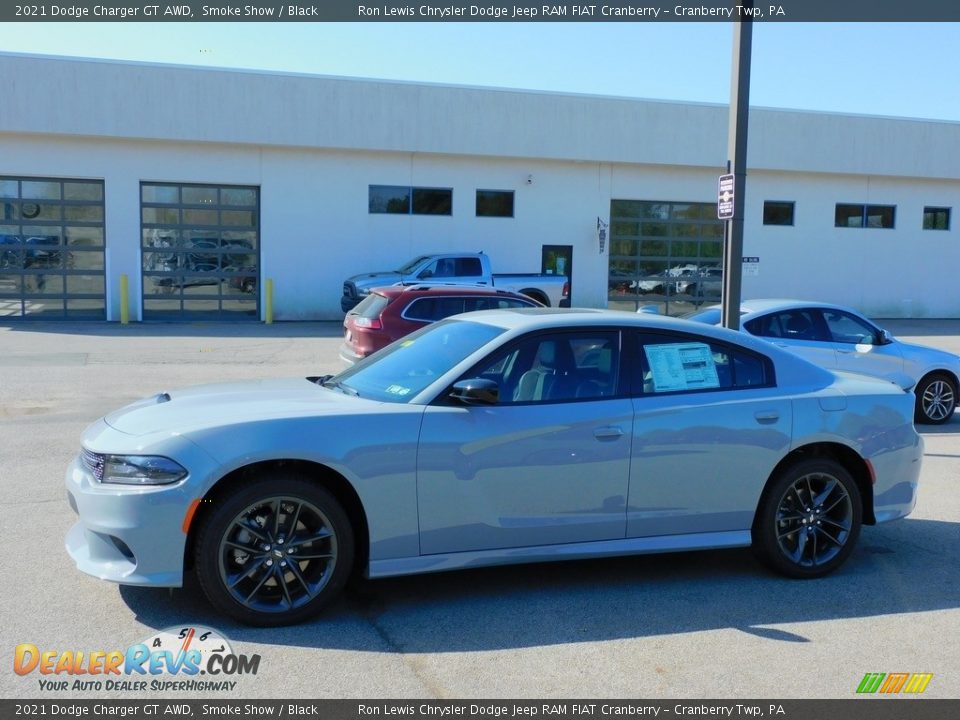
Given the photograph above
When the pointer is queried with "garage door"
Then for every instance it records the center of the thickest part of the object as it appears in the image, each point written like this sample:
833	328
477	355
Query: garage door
51	249
664	254
200	250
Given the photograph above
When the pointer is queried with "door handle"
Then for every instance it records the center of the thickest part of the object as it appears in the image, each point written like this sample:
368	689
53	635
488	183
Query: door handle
610	432
766	417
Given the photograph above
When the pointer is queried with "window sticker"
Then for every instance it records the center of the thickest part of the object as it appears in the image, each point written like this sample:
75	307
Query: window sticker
682	366
399	390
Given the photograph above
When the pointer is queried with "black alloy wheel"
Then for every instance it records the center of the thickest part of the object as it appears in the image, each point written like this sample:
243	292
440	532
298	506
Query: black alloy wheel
274	552
809	519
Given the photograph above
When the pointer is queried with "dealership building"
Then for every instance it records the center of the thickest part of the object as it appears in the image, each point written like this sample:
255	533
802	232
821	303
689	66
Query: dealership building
194	186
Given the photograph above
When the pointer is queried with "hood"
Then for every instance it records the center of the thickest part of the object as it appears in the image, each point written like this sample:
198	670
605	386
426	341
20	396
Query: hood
372	280
180	411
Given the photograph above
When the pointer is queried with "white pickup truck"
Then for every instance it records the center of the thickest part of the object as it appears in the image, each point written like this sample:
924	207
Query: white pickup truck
459	269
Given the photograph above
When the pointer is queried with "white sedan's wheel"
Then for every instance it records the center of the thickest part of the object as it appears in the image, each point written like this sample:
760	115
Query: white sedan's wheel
936	399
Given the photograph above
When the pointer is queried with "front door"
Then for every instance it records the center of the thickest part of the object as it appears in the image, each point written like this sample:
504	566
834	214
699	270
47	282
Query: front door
548	464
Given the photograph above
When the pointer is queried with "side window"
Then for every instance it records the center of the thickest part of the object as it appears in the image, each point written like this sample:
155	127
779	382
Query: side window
804	324
429	271
446	267
674	363
468	267
431	309
560	367
845	328
476	303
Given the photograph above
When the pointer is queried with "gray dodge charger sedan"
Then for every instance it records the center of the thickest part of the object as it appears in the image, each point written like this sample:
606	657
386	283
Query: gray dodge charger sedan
491	438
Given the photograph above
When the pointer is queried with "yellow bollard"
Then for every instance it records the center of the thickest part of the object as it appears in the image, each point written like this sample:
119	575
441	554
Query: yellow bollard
268	302
124	299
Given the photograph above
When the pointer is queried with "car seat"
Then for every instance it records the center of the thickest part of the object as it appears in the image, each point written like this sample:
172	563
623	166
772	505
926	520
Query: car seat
551	376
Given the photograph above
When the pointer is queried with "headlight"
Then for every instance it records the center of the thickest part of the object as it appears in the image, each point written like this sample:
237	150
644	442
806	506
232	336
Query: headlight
141	470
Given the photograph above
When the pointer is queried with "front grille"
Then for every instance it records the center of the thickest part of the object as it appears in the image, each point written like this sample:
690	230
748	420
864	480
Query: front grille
93	462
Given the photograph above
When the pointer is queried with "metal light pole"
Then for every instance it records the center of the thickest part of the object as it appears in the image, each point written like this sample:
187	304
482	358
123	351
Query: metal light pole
737	151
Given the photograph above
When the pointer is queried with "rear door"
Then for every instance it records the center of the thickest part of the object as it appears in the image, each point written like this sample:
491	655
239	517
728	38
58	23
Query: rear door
709	427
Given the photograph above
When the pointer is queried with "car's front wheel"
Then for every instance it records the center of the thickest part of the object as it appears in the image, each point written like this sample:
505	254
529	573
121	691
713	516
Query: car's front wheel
936	399
274	551
809	519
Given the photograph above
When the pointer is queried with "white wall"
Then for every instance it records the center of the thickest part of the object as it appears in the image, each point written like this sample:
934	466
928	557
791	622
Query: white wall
900	272
314	145
316	229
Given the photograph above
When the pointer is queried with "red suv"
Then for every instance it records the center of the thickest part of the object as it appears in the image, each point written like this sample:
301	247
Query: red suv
389	313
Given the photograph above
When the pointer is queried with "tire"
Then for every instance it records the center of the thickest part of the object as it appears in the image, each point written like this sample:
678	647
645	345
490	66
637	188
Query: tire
245	544
536	295
809	519
936	399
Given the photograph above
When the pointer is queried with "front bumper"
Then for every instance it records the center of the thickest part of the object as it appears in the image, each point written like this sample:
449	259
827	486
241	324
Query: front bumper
131	536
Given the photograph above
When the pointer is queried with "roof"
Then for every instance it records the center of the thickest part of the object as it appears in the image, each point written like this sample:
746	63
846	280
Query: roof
526	319
445	289
266	110
770	304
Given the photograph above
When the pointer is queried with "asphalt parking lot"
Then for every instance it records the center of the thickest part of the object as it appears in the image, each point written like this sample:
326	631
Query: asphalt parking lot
698	625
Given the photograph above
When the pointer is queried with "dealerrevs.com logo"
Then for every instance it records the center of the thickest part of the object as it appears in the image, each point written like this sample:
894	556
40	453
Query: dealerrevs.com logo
184	653
894	683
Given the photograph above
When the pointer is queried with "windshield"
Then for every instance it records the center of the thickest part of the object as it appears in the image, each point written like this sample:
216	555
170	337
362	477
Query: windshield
411	265
710	316
401	370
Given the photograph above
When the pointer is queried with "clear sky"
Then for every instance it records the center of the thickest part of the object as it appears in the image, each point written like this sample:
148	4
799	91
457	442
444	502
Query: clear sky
897	69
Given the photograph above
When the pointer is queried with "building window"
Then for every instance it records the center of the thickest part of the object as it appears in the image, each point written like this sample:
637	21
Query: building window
777	213
868	216
495	203
432	201
400	200
936	218
52	255
389	199
199	249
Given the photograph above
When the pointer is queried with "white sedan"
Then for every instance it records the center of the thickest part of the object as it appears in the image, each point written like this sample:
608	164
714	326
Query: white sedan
839	338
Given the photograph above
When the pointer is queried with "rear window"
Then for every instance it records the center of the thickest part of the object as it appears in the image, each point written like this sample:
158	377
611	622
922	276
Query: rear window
678	363
371	306
468	267
710	316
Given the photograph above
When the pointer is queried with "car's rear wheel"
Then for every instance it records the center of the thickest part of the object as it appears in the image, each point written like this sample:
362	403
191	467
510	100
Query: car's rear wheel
275	551
809	519
936	399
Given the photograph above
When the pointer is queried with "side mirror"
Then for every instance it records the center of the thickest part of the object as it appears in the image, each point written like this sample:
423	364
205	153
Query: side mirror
885	337
476	391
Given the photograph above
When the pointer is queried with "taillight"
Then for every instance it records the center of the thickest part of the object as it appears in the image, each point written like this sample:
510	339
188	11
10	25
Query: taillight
566	289
370	323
